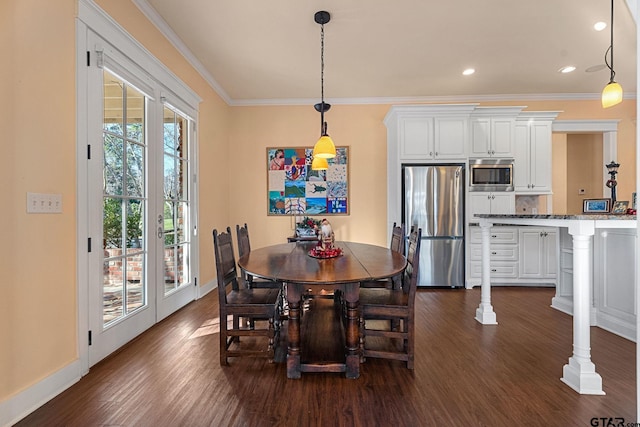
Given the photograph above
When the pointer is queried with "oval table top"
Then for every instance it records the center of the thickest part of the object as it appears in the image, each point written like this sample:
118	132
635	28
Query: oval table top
291	262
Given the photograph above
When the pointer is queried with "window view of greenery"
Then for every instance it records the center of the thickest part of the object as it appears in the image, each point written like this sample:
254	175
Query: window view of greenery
176	195
124	199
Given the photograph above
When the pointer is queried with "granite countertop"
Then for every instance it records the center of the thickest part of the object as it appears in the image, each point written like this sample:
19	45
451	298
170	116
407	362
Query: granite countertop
592	217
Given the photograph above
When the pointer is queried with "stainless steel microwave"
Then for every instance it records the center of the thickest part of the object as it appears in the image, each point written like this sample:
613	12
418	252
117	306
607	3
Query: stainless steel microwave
490	174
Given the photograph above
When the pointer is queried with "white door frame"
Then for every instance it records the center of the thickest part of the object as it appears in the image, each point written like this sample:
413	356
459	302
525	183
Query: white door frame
92	18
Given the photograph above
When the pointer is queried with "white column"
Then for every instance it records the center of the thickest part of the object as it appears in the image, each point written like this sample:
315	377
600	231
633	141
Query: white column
580	373
484	312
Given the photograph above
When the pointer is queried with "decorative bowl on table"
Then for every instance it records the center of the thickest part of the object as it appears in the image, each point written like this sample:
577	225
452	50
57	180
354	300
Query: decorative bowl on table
318	252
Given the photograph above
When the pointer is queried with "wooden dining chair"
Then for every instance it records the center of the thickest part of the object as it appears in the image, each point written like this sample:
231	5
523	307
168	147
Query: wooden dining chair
394	311
239	301
397	245
244	247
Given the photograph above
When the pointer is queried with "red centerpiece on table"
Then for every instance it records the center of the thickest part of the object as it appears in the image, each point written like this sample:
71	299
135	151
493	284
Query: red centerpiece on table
318	252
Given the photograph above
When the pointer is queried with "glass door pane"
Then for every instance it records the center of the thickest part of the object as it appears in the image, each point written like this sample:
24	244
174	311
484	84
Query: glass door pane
124	202
177	243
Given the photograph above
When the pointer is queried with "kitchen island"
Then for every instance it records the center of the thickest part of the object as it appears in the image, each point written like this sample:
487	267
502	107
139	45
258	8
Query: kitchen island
579	373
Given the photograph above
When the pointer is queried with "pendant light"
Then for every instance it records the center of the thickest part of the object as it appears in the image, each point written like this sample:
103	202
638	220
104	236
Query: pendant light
324	148
319	164
612	92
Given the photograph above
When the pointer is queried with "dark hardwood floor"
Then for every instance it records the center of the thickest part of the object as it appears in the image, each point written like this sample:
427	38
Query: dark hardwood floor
466	374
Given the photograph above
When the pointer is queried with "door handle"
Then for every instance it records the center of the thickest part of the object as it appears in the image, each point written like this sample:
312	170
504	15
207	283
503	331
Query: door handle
160	232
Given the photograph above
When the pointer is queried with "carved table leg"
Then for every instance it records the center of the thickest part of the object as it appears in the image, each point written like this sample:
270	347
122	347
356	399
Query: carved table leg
294	294
352	331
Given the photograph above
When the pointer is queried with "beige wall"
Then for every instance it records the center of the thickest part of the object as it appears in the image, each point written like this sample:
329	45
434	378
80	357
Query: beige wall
38	309
584	170
38	303
359	127
559	172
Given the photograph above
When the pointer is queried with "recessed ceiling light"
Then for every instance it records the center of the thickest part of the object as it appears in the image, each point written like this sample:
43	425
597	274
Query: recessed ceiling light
567	69
468	72
595	68
599	26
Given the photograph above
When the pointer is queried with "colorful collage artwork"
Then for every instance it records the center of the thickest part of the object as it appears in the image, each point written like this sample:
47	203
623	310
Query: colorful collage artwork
296	189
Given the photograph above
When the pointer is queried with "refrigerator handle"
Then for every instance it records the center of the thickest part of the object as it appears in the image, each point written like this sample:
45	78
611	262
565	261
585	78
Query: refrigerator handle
431	177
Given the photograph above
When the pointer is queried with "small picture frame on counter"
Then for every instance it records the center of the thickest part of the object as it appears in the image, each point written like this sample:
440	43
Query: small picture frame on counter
596	206
620	207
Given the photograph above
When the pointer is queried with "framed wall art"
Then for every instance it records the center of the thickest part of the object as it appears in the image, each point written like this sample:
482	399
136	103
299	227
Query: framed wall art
295	189
596	205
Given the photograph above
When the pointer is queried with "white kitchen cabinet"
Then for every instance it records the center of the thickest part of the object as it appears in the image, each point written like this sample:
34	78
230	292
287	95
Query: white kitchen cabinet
451	135
491	203
429	138
415	136
503	253
538	253
419	133
532	153
492	137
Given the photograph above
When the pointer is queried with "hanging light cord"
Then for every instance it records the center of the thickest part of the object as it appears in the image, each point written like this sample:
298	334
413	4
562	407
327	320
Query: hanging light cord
610	49
323	124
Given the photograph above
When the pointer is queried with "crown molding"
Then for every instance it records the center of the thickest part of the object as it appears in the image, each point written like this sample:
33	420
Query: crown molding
426	99
155	18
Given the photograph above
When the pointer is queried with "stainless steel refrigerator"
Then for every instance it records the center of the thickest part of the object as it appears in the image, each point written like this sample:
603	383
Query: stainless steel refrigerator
433	199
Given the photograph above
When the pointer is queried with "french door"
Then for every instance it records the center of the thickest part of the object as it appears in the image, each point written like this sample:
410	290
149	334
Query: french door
140	201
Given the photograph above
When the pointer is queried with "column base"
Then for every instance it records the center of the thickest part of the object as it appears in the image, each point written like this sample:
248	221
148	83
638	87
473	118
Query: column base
582	377
486	315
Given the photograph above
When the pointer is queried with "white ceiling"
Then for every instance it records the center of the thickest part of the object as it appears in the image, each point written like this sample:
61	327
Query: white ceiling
256	52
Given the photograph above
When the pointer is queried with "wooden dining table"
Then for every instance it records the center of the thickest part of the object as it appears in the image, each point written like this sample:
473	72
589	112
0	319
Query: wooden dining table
292	264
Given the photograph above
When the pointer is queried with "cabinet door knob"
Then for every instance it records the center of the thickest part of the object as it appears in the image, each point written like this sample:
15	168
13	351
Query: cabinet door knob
494	270
494	253
494	236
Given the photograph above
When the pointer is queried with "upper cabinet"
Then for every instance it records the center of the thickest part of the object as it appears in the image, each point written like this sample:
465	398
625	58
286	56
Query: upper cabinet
415	137
429	132
492	131
451	135
532	152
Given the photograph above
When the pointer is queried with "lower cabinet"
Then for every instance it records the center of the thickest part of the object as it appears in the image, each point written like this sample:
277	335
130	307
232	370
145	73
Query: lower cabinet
538	253
519	255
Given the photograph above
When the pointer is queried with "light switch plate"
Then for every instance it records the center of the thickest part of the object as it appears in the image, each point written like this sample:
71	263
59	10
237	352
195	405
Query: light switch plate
44	203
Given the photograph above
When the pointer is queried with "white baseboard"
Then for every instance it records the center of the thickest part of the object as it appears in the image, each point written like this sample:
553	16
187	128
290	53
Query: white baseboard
617	326
207	287
563	304
22	404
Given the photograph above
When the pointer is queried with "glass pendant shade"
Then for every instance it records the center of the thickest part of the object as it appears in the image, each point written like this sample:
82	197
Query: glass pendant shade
319	164
324	148
611	95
